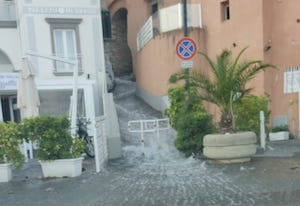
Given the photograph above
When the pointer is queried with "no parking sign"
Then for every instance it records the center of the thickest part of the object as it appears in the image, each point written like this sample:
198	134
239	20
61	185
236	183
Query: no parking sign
186	49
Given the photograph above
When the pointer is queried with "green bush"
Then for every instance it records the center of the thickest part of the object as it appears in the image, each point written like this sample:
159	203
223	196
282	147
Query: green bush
248	113
281	128
53	137
189	118
9	145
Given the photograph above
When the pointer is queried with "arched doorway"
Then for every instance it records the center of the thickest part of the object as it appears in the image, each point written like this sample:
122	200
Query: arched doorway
121	58
5	63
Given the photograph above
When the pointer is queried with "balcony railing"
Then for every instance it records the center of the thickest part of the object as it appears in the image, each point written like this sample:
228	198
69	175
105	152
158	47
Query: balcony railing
168	19
7	11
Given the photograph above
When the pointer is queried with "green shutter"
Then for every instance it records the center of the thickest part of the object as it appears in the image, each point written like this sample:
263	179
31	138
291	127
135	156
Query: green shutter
106	25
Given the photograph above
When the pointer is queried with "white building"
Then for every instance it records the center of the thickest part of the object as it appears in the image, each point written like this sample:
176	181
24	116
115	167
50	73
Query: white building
63	28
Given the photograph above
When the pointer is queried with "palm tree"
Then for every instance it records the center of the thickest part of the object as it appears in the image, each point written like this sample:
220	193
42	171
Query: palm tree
226	85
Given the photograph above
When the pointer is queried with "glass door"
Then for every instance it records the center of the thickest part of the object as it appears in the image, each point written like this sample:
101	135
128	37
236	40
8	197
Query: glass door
14	110
9	110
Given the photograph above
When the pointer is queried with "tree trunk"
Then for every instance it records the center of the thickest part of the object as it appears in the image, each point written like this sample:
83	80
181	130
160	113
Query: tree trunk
225	123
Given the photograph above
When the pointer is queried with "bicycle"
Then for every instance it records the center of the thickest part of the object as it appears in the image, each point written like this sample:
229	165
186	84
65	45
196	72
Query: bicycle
83	134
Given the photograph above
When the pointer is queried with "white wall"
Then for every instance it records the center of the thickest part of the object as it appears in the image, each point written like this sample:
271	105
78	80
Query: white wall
33	23
10	45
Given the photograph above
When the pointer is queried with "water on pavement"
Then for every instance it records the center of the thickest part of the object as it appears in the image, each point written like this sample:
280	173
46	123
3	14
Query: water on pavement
159	175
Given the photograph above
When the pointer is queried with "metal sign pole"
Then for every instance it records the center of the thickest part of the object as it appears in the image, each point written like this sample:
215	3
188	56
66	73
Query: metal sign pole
74	100
185	26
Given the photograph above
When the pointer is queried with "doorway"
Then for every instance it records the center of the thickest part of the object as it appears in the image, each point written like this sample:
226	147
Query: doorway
9	109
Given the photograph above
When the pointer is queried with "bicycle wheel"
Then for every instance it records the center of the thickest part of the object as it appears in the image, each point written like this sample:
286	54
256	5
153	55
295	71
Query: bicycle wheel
90	150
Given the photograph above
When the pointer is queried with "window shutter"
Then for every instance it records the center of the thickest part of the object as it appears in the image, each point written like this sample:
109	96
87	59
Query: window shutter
106	24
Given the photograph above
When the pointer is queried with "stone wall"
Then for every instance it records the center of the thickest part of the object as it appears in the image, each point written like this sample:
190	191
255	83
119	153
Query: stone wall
120	54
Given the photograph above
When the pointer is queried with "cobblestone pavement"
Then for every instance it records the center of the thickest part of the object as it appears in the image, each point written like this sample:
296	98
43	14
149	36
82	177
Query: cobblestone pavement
160	176
263	181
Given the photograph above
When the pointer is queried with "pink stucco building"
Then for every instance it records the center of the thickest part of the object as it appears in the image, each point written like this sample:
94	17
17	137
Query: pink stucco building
271	29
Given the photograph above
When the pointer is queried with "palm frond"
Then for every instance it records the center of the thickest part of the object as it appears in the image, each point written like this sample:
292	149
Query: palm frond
228	78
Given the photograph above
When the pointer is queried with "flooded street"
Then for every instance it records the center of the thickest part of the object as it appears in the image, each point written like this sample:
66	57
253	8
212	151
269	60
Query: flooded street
159	175
162	176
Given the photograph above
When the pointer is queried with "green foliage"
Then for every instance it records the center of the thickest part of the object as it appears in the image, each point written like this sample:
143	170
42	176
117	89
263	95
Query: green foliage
281	128
53	137
248	113
176	96
9	149
188	117
225	84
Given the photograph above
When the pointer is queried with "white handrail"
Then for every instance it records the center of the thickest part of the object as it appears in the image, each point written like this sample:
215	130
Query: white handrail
146	126
73	103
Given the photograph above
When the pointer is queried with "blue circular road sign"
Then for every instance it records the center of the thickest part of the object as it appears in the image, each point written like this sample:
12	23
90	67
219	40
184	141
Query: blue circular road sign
186	48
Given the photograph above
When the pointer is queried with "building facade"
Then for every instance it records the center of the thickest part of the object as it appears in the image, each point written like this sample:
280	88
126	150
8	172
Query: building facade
269	28
70	30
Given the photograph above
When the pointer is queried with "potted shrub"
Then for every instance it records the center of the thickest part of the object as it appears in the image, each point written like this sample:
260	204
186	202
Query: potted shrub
225	86
9	151
59	154
279	133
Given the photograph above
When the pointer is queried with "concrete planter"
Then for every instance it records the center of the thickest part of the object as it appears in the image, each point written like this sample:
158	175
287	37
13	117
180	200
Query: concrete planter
276	136
5	172
230	148
62	167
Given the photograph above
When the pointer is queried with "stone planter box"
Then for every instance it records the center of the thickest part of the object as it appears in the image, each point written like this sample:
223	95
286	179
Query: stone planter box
230	148
277	136
5	172
62	167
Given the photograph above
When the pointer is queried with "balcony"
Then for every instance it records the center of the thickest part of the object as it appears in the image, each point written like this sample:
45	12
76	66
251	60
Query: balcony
7	14
166	20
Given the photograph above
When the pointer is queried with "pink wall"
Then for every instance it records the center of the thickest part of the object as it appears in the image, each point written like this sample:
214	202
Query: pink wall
158	60
282	30
242	29
253	23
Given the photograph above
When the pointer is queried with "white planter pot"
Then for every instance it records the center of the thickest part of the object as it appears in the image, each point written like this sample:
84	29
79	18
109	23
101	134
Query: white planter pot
276	136
62	167
5	172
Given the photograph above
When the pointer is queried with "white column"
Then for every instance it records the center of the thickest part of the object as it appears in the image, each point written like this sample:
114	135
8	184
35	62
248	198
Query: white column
262	130
89	105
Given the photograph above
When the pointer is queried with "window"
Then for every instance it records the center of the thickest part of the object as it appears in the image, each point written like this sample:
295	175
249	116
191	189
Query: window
65	47
65	43
106	24
154	7
225	10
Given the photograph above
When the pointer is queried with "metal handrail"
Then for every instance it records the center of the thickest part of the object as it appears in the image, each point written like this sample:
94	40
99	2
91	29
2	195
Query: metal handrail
146	126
